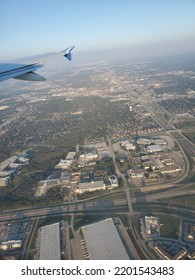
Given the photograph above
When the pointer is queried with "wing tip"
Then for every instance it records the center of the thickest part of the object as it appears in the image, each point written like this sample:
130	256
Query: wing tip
67	52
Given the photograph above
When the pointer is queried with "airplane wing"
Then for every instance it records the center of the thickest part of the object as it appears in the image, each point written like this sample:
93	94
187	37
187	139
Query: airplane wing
25	71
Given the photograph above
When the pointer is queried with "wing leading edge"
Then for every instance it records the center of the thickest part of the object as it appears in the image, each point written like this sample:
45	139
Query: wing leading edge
26	71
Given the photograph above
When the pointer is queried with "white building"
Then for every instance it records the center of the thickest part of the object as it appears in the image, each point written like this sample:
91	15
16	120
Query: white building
144	141
128	145
90	186
64	164
103	241
71	156
152	225
113	180
49	242
159	141
153	149
170	169
11	245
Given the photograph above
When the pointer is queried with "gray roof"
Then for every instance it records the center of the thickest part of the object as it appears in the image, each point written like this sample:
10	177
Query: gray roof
50	242
103	241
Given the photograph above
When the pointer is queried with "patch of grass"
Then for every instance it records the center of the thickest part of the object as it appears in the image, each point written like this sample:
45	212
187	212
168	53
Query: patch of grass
124	219
186	200
170	226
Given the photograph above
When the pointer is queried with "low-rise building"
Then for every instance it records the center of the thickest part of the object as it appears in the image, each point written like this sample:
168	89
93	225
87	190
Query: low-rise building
151	225
157	163
90	186
153	149
166	159
144	141
64	164
164	254
170	169
4	182
159	141
136	172
11	245
113	180
128	145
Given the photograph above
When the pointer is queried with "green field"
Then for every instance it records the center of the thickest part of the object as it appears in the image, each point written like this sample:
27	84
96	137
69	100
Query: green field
170	226
190	136
186	200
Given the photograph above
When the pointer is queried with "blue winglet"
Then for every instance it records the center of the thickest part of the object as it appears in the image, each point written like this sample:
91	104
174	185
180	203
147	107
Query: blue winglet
67	52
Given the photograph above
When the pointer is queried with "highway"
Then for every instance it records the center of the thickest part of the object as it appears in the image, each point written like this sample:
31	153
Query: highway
188	146
85	206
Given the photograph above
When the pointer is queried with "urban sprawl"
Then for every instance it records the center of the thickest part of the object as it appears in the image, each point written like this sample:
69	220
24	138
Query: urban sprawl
98	163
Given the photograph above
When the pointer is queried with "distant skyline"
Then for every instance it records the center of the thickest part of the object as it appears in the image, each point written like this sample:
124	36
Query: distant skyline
134	27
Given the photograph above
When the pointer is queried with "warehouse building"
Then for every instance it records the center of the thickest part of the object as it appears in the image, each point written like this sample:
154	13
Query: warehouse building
101	241
53	242
90	186
49	242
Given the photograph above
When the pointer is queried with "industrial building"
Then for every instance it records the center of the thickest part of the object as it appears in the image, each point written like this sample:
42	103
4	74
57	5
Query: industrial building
101	241
144	141
170	169
90	186
153	149
166	159
49	242
53	242
148	141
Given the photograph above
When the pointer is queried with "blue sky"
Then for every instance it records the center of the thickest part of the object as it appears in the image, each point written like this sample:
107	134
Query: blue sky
32	27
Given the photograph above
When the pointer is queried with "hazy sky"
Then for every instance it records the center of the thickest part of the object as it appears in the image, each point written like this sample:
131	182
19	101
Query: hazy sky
32	27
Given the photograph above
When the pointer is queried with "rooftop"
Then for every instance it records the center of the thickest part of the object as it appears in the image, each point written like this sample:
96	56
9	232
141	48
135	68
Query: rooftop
103	241
50	242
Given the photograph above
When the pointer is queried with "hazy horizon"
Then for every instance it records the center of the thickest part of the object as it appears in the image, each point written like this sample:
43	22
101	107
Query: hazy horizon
136	28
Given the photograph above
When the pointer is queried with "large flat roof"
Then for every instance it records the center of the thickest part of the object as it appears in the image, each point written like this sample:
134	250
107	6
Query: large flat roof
103	241
50	242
